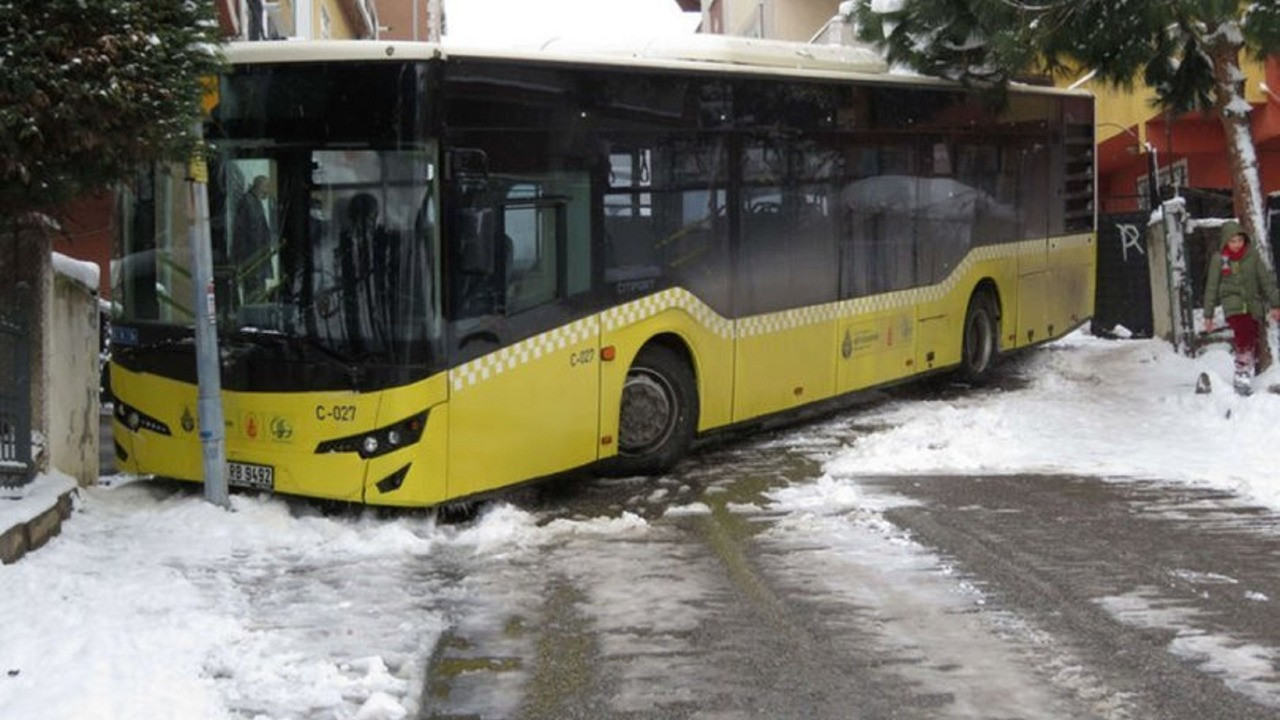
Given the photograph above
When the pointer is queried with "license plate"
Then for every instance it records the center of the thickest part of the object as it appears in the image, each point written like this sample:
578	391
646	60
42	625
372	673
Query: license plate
248	475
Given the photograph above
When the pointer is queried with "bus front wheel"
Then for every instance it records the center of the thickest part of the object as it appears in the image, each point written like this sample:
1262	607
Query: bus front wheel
659	413
981	339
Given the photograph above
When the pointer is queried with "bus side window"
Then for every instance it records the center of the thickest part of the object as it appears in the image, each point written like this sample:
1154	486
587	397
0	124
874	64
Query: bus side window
532	239
476	246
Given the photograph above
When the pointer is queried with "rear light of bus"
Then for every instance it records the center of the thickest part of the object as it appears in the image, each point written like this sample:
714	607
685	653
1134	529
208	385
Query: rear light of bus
380	441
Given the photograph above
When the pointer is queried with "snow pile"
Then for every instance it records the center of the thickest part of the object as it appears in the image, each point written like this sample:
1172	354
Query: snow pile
87	274
33	498
1124	409
152	605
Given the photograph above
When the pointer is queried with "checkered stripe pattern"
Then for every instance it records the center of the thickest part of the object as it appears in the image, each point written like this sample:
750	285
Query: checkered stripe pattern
1074	242
646	307
522	353
786	320
767	324
510	358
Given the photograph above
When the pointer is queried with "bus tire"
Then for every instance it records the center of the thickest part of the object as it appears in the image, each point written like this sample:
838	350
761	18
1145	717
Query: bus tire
658	415
981	339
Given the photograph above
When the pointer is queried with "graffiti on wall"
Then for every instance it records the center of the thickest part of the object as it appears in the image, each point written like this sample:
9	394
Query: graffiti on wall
1130	238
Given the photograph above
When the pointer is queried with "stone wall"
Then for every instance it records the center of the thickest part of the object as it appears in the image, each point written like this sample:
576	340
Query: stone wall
71	371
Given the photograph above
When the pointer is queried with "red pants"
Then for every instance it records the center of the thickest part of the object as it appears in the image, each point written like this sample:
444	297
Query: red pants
1244	340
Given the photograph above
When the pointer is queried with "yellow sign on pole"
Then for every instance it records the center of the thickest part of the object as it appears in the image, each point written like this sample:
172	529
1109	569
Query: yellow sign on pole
210	98
197	168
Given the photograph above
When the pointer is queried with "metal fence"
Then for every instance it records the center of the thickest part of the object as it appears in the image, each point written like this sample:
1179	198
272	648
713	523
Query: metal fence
16	467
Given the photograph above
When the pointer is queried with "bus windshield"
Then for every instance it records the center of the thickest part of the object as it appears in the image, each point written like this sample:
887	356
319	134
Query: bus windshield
329	244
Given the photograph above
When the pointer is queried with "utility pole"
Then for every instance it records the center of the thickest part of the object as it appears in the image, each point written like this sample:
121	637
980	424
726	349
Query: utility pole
1176	303
208	371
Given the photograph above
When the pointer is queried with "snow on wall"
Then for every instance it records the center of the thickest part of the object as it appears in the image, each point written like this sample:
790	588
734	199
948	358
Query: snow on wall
87	274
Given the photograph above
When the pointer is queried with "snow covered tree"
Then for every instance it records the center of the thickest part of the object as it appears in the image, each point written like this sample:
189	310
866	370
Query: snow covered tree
90	89
1187	51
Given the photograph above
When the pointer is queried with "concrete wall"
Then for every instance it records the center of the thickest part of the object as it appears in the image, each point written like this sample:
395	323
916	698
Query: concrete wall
70	373
1162	324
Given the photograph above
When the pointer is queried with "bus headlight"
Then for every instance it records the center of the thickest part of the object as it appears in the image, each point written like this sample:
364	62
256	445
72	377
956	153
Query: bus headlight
136	420
379	441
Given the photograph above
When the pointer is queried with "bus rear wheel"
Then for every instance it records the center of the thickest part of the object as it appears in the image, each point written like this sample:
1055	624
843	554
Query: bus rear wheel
659	413
981	339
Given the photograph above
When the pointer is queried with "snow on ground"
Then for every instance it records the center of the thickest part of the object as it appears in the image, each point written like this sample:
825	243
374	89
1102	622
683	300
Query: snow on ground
609	579
1245	667
833	544
1123	409
155	604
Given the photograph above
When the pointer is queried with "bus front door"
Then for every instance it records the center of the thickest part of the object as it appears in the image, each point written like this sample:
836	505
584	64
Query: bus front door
525	385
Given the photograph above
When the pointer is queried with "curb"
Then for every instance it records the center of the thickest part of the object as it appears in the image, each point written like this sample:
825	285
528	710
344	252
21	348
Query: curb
25	537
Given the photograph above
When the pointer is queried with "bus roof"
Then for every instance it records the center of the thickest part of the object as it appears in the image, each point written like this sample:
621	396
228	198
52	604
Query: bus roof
695	52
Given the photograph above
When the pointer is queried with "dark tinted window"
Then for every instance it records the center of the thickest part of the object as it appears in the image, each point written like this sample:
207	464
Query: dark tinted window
811	191
933	173
665	219
369	104
792	166
527	188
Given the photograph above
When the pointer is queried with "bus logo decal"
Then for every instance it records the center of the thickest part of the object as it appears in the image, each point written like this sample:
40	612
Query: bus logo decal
281	429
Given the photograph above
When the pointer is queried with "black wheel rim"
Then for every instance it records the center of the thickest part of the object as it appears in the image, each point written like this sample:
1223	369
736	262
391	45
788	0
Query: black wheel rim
650	408
978	342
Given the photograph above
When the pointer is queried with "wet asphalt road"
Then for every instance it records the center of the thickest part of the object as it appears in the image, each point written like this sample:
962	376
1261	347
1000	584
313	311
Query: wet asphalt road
963	597
1166	595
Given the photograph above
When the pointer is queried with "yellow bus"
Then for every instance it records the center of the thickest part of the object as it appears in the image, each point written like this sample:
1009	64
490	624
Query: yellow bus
441	271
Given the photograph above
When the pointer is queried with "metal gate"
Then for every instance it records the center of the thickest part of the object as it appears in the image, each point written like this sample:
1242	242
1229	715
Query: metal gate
15	391
1122	294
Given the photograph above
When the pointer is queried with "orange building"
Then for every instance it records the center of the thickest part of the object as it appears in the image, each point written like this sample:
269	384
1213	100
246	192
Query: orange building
1190	148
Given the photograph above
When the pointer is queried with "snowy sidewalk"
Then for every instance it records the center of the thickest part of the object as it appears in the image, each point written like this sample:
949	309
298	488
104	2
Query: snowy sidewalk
33	513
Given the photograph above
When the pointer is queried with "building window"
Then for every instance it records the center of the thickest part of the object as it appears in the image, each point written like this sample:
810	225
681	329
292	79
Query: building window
1174	175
